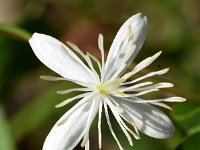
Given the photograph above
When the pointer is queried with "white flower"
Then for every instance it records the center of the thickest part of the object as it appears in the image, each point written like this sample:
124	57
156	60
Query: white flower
110	88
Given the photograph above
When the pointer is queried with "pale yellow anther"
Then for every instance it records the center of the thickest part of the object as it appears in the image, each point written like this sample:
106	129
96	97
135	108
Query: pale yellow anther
119	93
109	87
101	88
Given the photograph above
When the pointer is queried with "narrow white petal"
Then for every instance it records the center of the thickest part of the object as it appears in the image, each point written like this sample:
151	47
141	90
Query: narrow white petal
59	58
138	25
147	118
69	134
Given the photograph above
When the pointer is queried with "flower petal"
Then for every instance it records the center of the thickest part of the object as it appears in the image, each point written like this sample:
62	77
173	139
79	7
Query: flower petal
138	25
59	58
148	119
68	134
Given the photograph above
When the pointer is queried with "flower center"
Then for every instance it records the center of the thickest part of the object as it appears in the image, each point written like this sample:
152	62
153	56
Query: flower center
109	88
101	88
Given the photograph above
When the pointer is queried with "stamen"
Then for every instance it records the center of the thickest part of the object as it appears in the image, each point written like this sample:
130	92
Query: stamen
141	93
67	101
113	101
118	93
51	78
100	44
116	105
135	86
136	130
71	56
171	99
76	48
175	99
113	84
120	124
110	126
99	124
155	86
92	68
108	87
117	108
95	59
86	57
92	114
160	72
120	69
82	102
87	145
128	129
73	90
146	91
143	64
152	102
162	105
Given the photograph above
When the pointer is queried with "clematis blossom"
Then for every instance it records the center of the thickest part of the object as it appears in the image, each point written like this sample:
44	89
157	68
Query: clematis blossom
111	90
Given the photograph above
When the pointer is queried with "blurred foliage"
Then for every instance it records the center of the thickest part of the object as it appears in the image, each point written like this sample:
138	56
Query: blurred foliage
14	31
190	143
6	142
27	110
188	117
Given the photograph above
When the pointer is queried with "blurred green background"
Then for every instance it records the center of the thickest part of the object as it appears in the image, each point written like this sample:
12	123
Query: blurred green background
27	110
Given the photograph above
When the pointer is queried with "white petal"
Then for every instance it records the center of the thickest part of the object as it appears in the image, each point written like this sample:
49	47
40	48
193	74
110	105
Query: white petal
138	24
59	58
148	119
68	134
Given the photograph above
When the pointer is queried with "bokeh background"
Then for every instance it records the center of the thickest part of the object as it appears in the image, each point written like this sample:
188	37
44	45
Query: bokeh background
27	110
